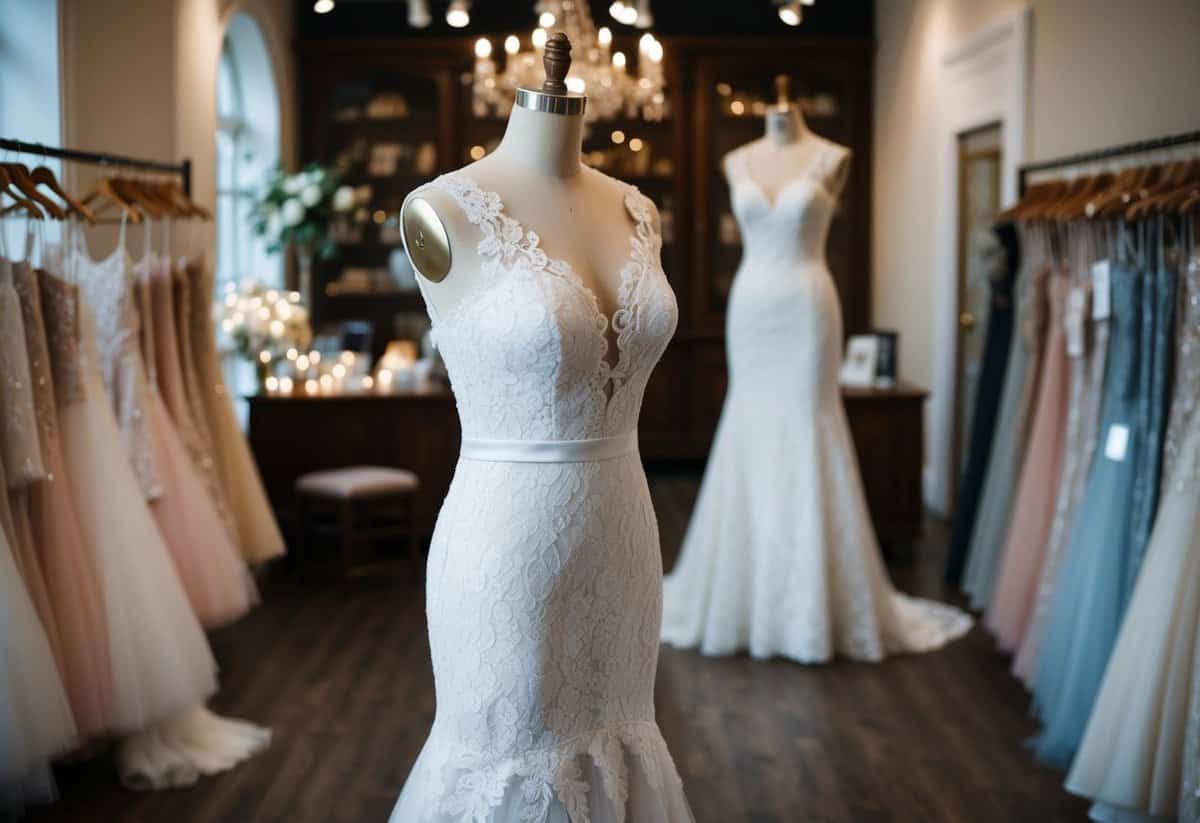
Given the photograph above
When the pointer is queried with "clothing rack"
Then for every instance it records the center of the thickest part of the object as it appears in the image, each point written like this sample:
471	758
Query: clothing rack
182	168
1100	155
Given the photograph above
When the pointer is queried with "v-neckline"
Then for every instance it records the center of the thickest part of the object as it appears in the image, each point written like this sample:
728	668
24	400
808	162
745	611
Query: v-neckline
743	165
620	320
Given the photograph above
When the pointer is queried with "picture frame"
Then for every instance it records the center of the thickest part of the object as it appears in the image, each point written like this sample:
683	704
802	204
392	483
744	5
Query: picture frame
862	356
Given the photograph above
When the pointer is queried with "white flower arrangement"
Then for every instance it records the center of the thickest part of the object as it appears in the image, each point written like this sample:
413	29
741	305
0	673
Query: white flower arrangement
300	208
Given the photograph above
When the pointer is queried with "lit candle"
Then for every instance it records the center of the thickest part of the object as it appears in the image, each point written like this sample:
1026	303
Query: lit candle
272	384
368	382
302	364
326	384
311	386
512	45
286	385
539	38
385	380
292	354
264	357
618	60
314	356
604	38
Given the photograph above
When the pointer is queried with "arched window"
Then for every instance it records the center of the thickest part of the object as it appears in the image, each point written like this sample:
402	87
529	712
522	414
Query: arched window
247	151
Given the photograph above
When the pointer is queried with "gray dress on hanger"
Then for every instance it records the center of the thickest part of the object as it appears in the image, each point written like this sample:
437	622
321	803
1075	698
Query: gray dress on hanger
991	524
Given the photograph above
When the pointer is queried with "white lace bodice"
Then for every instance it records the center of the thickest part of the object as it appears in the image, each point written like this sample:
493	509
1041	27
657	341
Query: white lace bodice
792	226
108	286
528	353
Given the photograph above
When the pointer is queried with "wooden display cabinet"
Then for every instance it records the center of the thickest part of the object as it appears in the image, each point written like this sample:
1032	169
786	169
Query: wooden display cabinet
680	170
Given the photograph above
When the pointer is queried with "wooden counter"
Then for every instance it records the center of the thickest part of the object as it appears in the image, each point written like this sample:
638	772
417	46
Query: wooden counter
419	431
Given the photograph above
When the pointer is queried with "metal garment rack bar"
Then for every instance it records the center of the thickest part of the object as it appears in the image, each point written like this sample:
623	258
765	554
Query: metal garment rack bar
1140	147
182	168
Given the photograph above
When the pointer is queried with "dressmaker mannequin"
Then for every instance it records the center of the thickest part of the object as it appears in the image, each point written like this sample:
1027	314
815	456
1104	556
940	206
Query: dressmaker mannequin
790	149
578	213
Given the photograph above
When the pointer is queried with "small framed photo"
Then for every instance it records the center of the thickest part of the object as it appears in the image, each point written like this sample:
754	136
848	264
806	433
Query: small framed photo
862	357
887	369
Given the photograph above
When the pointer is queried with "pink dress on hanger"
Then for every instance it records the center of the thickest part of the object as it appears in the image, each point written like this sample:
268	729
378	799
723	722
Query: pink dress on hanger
1012	605
66	559
217	581
21	454
171	386
258	533
218	586
161	663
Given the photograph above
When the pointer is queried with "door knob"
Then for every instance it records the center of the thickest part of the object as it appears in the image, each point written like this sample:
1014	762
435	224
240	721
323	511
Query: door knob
966	320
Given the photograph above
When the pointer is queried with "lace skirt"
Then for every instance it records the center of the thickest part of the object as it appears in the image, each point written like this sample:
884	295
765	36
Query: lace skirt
544	603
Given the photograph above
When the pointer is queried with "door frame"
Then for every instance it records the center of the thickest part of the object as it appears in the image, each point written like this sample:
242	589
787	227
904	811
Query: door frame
984	80
964	157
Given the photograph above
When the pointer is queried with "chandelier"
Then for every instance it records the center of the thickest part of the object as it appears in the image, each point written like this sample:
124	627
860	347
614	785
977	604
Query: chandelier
614	87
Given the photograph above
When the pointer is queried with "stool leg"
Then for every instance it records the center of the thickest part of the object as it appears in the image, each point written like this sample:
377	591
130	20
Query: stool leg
301	553
348	536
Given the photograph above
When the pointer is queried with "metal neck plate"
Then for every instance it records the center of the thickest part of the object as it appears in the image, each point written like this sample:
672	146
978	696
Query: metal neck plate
536	100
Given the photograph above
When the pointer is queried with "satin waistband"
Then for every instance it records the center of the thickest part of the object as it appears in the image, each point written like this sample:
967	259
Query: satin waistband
549	451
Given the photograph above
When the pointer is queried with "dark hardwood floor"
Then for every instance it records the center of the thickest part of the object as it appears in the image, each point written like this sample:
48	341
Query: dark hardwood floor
340	671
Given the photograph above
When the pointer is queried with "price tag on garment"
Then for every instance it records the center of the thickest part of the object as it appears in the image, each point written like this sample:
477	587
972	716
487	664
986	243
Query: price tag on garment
1117	443
1076	309
1101	290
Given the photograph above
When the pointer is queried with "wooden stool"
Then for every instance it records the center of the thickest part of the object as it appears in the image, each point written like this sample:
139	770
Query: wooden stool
354	492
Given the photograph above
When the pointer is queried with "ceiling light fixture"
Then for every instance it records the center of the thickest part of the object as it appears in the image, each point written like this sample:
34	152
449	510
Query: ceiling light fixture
623	12
615	87
323	6
418	14
458	16
791	14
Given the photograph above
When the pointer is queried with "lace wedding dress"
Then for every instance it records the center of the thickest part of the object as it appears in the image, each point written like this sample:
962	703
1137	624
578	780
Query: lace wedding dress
544	579
780	557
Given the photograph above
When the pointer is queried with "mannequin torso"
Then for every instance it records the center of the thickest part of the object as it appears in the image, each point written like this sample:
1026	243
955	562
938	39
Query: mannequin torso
790	150
578	213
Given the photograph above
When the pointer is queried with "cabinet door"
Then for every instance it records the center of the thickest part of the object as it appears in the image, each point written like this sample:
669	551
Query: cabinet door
730	98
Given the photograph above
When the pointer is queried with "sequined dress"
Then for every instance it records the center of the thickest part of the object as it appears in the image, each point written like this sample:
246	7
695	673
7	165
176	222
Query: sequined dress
1141	750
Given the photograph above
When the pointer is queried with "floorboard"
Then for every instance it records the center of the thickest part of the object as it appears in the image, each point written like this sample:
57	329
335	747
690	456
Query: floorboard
340	671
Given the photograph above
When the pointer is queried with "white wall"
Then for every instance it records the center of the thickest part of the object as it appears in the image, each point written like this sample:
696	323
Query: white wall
1101	72
140	79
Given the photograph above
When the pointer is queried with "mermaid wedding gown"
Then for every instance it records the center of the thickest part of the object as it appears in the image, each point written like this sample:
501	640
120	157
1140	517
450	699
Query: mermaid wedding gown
544	577
780	557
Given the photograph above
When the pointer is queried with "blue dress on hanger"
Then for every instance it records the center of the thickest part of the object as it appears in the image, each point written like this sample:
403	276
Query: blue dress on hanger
1089	598
1158	340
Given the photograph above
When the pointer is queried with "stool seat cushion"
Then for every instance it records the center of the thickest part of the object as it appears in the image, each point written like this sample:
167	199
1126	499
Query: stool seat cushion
358	481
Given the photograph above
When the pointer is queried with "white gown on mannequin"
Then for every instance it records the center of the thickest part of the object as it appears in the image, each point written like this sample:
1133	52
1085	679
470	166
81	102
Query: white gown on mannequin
544	578
780	557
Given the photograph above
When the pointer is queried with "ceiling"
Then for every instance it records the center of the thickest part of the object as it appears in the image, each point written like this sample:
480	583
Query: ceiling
387	18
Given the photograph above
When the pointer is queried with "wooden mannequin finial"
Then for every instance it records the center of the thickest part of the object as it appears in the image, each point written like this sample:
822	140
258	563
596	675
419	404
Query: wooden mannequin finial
783	90
557	60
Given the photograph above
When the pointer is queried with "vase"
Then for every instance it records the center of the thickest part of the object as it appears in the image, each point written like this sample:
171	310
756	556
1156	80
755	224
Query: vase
304	267
261	372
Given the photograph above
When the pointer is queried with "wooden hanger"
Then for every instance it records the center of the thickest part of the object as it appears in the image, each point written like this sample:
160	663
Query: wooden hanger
1046	207
19	177
1179	181
103	189
43	176
22	202
1034	195
133	192
1114	203
172	190
1075	207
